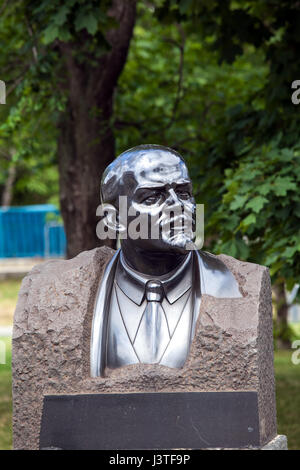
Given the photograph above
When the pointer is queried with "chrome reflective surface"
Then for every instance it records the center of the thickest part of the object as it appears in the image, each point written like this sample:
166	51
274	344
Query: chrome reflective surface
146	314
149	298
156	183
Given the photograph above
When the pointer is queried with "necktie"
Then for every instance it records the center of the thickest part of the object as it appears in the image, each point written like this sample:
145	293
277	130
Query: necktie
153	335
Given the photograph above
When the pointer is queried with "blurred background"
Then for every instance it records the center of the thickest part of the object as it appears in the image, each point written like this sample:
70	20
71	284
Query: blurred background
87	79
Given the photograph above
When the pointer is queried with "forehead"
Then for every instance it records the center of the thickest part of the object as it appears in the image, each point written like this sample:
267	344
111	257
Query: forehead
157	168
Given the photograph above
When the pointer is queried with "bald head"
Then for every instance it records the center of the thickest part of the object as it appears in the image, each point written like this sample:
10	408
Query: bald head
143	166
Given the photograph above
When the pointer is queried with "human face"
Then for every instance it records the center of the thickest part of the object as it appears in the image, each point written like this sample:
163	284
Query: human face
162	195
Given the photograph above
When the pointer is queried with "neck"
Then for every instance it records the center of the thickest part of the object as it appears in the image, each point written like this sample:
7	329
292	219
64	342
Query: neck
151	263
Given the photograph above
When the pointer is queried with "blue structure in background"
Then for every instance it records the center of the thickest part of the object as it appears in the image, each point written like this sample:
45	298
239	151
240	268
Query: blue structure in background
31	231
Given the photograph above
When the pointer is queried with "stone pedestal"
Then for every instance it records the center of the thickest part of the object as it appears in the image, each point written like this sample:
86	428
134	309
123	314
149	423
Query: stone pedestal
232	350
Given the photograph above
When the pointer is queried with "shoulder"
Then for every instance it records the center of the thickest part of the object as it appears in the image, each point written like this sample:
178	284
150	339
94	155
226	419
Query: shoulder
217	277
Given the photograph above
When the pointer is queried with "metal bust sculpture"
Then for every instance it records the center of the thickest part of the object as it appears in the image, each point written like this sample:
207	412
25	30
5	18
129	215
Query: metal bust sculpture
149	298
209	358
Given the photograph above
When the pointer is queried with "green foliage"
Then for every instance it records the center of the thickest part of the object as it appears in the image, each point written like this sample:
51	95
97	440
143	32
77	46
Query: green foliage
36	90
260	210
173	91
63	21
27	132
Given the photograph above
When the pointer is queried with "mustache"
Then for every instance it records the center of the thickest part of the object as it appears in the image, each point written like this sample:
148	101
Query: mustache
165	217
174	224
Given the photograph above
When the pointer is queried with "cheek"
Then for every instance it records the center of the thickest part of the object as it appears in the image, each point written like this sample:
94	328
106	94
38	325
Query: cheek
190	205
152	210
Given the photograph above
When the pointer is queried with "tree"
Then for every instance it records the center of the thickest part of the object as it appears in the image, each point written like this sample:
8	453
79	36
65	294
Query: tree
253	155
27	160
86	142
74	54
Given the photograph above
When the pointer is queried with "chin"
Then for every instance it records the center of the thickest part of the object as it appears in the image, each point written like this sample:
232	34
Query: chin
178	242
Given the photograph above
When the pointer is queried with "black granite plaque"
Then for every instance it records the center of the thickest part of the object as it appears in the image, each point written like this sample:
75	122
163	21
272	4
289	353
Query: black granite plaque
190	420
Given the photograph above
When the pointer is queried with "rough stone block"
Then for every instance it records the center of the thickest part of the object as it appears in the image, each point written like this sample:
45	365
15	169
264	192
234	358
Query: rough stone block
232	349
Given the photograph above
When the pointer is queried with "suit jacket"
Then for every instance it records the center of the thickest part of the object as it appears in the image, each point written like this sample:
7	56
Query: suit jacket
210	276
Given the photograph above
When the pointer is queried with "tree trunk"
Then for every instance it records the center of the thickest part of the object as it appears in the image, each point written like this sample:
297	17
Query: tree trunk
86	142
283	340
7	193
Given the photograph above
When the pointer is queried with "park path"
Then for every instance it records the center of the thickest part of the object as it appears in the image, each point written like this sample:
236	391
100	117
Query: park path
17	267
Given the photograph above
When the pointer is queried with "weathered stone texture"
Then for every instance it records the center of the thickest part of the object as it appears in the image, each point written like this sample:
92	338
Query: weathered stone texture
232	348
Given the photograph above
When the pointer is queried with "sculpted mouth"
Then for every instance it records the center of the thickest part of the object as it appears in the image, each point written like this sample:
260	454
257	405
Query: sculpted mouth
178	221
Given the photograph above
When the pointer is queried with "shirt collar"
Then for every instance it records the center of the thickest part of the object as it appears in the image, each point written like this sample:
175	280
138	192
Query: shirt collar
175	283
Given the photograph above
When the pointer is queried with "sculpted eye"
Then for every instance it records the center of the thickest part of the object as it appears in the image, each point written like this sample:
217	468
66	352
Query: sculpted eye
184	194
153	199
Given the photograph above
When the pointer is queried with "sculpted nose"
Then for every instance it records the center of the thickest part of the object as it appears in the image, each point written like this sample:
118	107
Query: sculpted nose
172	198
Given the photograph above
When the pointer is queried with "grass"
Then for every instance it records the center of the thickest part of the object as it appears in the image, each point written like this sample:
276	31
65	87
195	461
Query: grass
8	297
5	396
288	397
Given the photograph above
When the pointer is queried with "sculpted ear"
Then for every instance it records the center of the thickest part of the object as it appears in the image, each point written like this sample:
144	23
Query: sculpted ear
109	188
